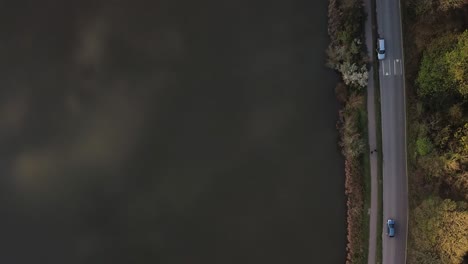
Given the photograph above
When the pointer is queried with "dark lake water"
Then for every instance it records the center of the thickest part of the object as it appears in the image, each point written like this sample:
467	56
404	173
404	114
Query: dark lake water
168	132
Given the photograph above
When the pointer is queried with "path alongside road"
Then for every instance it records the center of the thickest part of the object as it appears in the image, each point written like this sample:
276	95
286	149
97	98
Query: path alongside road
372	130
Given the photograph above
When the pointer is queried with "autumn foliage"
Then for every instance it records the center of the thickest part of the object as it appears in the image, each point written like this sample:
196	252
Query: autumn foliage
438	132
352	147
354	213
346	56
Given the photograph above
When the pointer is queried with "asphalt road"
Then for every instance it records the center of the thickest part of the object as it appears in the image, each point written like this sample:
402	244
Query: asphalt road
391	74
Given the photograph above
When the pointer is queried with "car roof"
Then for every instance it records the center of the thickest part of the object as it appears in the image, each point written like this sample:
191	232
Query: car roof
390	226
381	43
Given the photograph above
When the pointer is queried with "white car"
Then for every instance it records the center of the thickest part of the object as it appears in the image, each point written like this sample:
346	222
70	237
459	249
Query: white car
381	49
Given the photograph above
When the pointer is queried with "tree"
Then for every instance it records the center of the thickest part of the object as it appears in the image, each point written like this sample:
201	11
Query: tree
418	257
442	137
453	236
440	231
432	165
421	7
445	5
432	79
455	113
444	67
429	8
457	61
459	144
458	183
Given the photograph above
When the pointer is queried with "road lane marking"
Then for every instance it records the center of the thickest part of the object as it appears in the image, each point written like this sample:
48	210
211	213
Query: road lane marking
389	67
396	64
401	69
383	69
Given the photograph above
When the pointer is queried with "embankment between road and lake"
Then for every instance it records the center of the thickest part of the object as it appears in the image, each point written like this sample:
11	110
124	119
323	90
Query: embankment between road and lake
346	55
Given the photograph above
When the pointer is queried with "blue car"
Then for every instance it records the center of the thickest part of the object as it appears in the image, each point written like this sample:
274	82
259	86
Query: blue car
391	227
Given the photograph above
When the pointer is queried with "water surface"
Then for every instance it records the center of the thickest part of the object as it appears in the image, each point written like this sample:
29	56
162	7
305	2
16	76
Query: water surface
168	132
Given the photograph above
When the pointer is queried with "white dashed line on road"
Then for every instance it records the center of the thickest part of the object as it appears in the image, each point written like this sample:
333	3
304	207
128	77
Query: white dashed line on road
397	68
383	69
401	68
397	64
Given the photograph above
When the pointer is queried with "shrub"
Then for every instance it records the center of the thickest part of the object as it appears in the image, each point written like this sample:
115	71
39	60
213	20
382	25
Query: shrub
353	146
355	205
345	55
354	75
352	143
341	92
423	146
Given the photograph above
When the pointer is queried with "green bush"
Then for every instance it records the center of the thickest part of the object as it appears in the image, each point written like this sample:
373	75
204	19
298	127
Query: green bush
424	146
